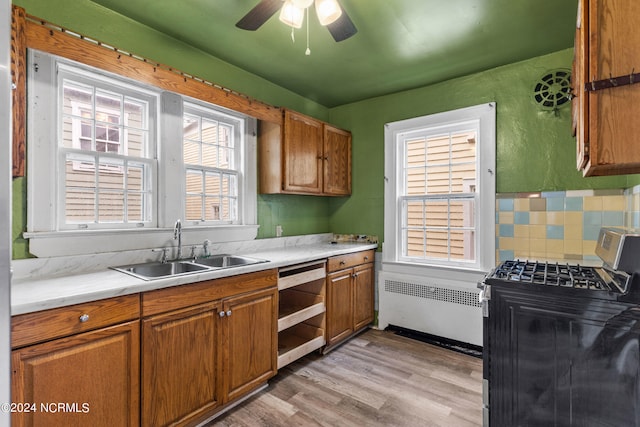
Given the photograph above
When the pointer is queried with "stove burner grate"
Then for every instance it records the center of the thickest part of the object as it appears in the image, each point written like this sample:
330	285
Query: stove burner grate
542	273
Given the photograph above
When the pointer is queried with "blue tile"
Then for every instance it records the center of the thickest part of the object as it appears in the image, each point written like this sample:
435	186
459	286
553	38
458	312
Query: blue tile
553	194
590	232
612	218
573	204
506	230
555	204
506	255
592	218
555	231
505	204
521	218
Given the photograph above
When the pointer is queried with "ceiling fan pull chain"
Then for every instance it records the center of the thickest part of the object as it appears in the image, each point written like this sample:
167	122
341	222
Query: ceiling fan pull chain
308	51
293	37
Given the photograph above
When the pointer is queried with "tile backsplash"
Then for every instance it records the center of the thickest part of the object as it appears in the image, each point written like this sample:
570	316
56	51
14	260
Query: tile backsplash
561	225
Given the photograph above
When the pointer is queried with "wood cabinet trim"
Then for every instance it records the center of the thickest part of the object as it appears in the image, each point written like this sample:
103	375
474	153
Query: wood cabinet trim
53	39
19	96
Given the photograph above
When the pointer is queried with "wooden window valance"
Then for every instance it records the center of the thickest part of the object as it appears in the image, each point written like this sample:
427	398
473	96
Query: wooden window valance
31	32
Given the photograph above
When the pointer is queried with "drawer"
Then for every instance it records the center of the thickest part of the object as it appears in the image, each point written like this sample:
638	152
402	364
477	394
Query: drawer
31	328
182	296
349	260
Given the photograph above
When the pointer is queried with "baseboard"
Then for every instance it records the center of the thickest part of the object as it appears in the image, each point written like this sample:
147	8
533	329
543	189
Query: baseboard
450	344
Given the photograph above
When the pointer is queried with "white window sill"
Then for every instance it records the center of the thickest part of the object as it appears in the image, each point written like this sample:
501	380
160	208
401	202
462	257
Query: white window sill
65	243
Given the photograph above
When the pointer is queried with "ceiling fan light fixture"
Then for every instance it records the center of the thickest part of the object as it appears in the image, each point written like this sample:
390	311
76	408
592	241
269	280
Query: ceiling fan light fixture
291	14
328	11
302	4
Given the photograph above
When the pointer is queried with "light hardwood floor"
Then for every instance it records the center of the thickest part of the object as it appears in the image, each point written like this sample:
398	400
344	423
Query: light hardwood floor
376	379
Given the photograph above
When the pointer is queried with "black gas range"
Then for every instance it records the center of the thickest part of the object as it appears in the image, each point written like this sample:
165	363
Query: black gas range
562	341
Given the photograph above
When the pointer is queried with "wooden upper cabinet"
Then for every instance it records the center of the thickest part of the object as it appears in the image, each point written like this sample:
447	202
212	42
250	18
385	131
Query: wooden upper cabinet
303	156
337	158
607	53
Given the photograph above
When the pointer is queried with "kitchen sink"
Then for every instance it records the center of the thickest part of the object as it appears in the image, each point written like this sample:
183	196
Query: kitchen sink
226	261
158	270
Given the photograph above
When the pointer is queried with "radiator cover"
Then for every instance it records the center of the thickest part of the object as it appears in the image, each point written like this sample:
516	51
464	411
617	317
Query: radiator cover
446	308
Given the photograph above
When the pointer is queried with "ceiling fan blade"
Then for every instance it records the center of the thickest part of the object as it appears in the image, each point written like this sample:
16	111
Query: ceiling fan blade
342	28
259	14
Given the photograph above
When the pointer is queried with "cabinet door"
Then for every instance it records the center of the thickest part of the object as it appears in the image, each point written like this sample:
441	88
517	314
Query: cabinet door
180	365
362	296
94	375
337	161
613	113
250	341
339	306
579	103
302	154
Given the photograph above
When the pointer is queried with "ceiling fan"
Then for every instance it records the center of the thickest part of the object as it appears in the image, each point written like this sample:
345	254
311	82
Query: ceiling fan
329	12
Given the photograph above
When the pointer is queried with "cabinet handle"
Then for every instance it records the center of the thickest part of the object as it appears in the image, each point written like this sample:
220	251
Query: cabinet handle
228	313
222	313
366	258
84	318
342	263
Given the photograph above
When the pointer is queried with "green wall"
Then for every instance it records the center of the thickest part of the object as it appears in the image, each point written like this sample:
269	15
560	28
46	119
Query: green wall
535	150
297	215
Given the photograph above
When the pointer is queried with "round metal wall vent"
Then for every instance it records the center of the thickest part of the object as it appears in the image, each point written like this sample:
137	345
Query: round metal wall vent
553	89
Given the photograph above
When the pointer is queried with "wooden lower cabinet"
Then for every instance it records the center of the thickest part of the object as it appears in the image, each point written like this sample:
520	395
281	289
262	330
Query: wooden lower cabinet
198	358
250	341
339	306
180	365
88	379
363	296
350	294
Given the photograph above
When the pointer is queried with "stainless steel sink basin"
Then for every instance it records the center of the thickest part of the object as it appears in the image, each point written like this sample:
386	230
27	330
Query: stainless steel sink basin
157	270
226	261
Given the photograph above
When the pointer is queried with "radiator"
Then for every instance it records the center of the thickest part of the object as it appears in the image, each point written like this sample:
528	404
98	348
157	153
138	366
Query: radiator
446	308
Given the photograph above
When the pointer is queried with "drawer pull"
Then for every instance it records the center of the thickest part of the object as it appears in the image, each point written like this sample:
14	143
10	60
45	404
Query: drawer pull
366	258
228	313
222	313
342	263
84	318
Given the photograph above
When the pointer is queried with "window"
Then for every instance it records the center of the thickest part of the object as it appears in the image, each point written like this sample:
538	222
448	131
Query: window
108	154
440	171
106	169
211	165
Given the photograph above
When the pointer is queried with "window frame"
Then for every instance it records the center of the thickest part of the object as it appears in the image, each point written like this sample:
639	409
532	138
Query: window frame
484	213
45	236
83	75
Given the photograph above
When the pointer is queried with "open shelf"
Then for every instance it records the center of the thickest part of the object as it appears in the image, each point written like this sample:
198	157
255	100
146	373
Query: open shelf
297	306
297	341
301	310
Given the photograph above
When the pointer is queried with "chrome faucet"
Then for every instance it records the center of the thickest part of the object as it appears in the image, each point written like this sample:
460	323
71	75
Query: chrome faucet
177	234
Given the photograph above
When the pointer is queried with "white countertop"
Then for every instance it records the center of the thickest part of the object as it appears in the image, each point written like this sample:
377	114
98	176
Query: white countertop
35	294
